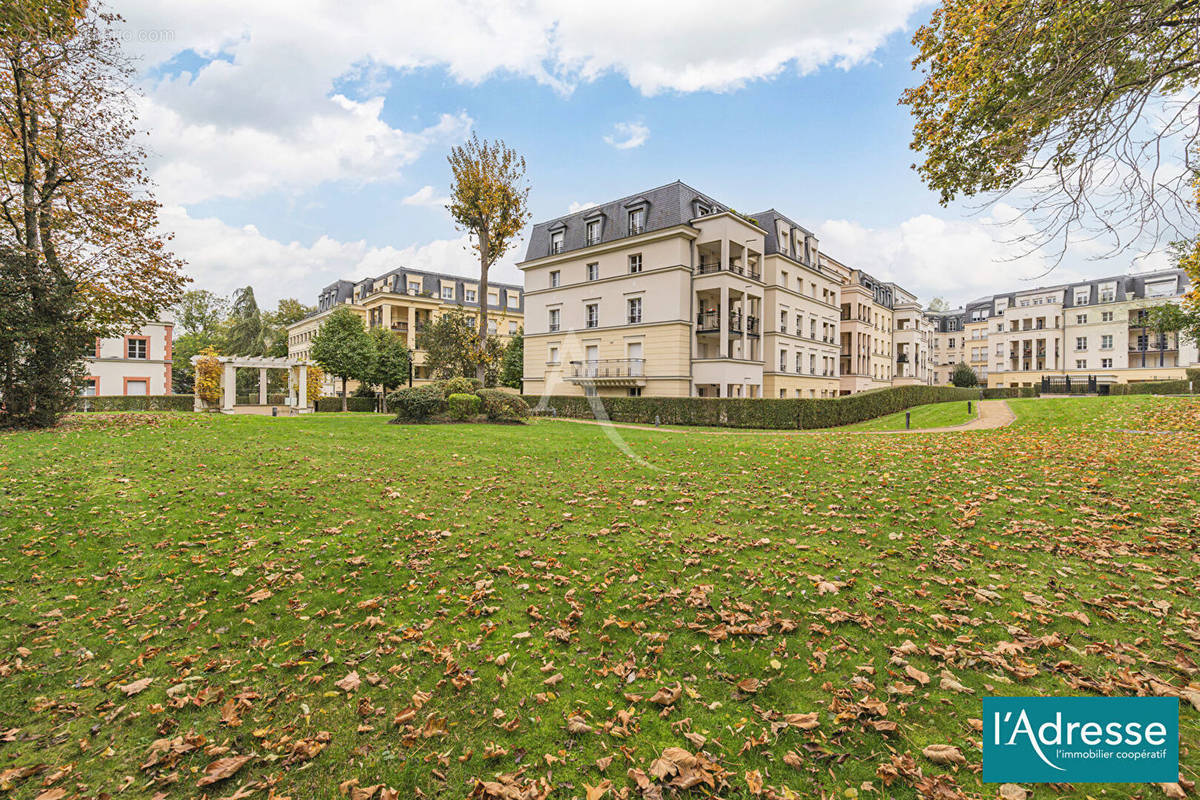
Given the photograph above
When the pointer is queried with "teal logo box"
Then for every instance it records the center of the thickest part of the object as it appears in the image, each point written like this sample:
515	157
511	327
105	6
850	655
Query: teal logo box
1080	739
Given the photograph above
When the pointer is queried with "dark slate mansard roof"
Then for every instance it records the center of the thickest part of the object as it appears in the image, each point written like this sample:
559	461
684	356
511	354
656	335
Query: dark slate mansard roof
666	206
338	292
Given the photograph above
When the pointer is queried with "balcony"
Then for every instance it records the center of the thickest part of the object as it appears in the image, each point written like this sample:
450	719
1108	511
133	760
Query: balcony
400	327
710	267
1160	346
608	372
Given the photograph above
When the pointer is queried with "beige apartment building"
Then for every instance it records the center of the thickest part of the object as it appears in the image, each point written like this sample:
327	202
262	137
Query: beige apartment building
1088	329
670	293
405	301
868	318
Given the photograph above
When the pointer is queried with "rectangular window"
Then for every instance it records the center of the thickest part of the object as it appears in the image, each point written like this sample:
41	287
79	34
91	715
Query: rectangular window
1106	342
593	232
555	316
1081	319
552	357
512	328
593	271
447	292
1107	316
414	287
1106	363
514	299
555	277
136	386
592	315
1081	363
493	327
556	242
635	263
635	391
137	347
90	387
799	363
469	295
783	322
1108	295
1081	343
783	360
637	221
635	310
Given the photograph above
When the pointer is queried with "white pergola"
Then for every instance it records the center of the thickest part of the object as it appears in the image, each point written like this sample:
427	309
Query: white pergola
297	373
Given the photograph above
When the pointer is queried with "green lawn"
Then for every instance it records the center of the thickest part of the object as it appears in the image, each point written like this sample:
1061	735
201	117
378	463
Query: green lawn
330	598
933	415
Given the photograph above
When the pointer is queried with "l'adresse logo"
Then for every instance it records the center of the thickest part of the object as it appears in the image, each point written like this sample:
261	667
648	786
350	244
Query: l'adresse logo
1080	739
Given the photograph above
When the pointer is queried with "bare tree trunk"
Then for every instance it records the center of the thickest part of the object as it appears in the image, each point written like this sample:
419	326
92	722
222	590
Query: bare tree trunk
345	406
480	368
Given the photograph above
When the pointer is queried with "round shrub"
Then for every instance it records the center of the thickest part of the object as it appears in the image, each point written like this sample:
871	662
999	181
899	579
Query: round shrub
460	386
463	406
416	403
503	406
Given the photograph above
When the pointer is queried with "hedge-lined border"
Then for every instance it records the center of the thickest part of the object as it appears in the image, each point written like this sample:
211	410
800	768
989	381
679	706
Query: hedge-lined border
1152	387
727	412
135	402
327	404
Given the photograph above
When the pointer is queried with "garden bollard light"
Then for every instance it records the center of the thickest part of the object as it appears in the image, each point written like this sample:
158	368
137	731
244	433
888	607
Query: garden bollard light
274	411
968	406
907	420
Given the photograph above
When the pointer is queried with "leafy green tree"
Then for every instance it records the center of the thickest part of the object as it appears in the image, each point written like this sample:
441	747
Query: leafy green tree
1171	318
76	201
452	349
963	376
1081	112
512	366
490	200
391	364
200	311
343	348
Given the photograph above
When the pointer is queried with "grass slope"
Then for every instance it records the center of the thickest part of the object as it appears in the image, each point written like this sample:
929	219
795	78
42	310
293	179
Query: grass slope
932	415
256	607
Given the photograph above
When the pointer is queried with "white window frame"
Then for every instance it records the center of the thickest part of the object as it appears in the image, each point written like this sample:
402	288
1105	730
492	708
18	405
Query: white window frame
632	305
554	319
591	315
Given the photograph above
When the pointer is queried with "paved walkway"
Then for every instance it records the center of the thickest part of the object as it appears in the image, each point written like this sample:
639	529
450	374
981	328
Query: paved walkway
992	414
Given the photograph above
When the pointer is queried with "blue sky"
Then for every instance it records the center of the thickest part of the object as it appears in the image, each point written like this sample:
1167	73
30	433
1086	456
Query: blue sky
295	144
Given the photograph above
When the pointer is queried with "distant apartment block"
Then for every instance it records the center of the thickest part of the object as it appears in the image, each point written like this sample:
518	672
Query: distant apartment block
1095	328
671	293
405	301
135	364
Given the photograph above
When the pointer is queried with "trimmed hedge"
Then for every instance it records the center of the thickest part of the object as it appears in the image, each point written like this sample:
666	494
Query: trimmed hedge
416	403
1193	375
252	399
461	406
1010	392
1150	387
326	404
503	406
145	402
459	386
801	413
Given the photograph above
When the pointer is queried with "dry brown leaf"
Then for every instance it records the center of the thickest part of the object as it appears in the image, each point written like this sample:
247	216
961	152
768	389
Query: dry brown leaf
944	754
221	769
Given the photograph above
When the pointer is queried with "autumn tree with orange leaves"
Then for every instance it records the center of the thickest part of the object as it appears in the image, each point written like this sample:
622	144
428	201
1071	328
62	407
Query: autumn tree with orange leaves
490	200
80	249
1080	113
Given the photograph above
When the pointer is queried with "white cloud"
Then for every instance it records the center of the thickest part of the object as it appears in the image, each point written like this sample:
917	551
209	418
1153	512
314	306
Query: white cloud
628	135
959	260
289	94
344	141
578	206
426	196
223	257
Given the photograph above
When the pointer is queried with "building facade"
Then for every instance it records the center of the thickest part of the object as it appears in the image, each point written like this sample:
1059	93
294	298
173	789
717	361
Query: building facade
135	364
671	293
1093	328
405	301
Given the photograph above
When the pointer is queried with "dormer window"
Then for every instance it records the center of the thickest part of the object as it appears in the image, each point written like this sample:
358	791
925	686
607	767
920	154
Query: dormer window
556	242
414	287
637	221
593	232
